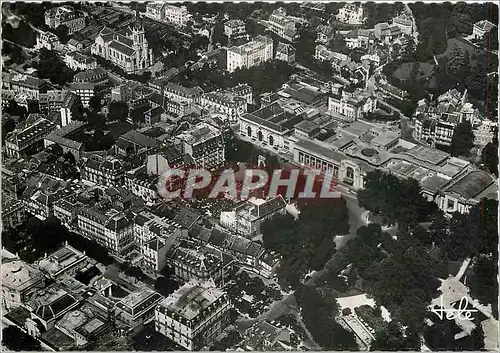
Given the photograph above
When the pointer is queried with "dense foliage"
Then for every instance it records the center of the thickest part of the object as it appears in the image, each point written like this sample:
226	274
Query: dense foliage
462	140
318	313
395	200
308	242
17	340
52	67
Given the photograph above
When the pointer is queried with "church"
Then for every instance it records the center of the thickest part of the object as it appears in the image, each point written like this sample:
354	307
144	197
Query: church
127	49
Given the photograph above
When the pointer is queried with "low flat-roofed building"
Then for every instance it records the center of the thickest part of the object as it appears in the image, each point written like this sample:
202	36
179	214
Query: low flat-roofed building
19	281
269	126
138	308
65	261
194	315
462	194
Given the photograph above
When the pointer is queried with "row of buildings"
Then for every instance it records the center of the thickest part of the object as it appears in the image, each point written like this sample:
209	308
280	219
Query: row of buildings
163	12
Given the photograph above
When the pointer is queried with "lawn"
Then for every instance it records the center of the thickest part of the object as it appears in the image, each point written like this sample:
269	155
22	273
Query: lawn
403	71
463	46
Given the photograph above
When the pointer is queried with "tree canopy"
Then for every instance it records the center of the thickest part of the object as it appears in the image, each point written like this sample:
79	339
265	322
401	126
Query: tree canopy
308	242
17	340
395	200
118	111
50	66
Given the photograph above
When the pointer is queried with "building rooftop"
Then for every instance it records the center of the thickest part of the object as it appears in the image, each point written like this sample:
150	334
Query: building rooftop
471	185
274	117
61	260
192	298
199	134
427	154
18	275
135	299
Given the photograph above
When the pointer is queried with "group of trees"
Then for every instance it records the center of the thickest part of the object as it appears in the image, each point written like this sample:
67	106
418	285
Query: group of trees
16	340
318	313
23	34
395	200
308	242
46	237
462	140
489	155
51	66
165	284
118	111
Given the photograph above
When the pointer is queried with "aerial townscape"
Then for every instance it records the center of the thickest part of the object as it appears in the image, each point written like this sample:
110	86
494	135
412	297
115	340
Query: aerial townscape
392	105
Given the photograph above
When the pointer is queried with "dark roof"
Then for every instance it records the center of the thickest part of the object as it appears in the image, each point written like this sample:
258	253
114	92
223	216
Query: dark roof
122	48
472	184
187	218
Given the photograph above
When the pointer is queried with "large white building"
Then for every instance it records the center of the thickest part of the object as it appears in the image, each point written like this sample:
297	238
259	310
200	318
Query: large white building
164	12
67	16
232	102
247	217
194	315
250	54
19	281
79	61
282	25
352	14
128	50
204	143
108	227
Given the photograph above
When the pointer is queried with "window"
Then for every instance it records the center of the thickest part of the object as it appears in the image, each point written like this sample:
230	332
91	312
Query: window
350	173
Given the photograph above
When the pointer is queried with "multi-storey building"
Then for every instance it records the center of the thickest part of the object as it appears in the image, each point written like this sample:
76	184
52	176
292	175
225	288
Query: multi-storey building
83	90
29	139
67	16
51	101
350	108
324	34
141	184
351	13
481	28
155	10
107	227
285	52
189	261
128	50
79	61
64	138
137	308
247	217
405	23
97	75
178	15
484	132
250	54
19	281
227	102
204	143
29	86
66	261
71	106
282	25
182	94
13	212
234	29
47	40
106	171
321	53
194	315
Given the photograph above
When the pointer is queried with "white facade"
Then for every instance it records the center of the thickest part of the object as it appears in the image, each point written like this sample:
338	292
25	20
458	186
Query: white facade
177	15
193	329
250	54
78	61
351	14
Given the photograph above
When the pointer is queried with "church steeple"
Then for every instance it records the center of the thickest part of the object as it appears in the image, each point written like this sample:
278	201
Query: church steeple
137	25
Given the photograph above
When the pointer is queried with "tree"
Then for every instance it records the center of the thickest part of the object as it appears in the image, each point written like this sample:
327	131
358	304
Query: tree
17	340
489	155
95	103
462	140
62	33
118	111
166	285
392	339
318	312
